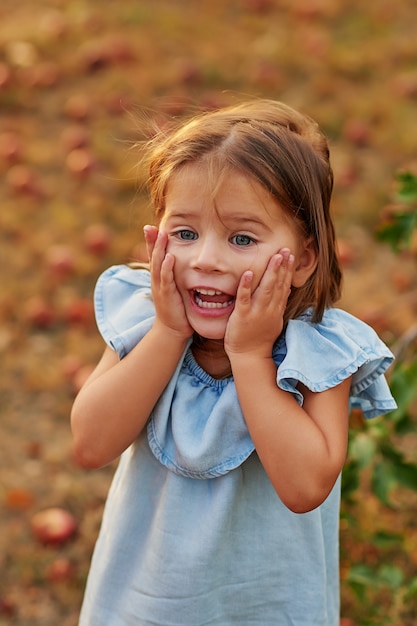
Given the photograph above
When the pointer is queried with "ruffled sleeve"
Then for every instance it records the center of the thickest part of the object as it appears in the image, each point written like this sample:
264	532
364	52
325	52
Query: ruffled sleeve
322	355
124	307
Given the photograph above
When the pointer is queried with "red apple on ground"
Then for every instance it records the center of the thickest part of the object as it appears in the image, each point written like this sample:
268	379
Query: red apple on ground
60	570
39	312
22	180
75	136
10	147
79	311
80	162
97	239
78	107
60	259
54	526
345	252
5	75
7	607
357	132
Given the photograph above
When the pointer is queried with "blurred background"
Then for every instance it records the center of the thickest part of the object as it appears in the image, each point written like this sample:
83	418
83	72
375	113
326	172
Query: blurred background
80	82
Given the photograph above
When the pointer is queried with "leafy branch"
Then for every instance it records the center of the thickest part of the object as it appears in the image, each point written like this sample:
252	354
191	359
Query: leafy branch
377	459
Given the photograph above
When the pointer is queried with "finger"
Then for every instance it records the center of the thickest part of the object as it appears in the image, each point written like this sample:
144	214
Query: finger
286	268
167	271
271	278
275	285
283	273
244	290
159	251
150	233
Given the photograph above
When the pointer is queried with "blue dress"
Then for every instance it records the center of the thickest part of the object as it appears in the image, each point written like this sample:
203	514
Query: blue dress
193	533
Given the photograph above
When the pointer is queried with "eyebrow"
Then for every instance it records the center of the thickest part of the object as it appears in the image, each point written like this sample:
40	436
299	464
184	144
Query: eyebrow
252	219
180	216
227	219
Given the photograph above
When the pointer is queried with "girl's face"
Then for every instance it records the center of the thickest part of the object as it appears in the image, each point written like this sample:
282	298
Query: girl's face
215	241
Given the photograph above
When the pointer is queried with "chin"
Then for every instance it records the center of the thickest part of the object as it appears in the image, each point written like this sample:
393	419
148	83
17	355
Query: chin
204	330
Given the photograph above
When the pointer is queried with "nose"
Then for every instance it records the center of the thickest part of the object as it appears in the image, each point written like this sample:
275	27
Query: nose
208	255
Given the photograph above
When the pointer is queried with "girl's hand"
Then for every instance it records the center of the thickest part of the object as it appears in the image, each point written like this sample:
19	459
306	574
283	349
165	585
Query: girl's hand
169	306
258	317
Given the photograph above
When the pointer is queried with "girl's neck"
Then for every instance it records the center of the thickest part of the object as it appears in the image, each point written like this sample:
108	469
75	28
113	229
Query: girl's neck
211	356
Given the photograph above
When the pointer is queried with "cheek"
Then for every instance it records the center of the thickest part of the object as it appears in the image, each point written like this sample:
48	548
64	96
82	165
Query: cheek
173	247
257	264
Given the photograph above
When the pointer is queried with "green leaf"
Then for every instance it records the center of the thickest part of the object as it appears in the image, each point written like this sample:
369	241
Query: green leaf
360	578
404	423
383	480
403	387
406	475
362	449
390	453
399	230
408	187
411	592
399	227
350	479
386	539
361	574
390	575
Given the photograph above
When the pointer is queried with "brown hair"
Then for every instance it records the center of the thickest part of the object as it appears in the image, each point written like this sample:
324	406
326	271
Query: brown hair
286	153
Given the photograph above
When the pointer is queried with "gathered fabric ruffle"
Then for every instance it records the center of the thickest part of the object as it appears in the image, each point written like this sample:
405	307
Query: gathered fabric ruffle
322	355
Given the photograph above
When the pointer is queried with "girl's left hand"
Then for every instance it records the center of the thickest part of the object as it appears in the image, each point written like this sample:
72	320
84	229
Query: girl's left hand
258	317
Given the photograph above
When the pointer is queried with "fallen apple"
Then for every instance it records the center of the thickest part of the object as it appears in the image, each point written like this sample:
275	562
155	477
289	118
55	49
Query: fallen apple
80	162
10	147
345	252
53	526
60	260
5	75
61	570
39	313
97	239
79	311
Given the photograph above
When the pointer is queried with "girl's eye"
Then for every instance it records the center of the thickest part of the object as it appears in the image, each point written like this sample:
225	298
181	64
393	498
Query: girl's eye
242	240
186	235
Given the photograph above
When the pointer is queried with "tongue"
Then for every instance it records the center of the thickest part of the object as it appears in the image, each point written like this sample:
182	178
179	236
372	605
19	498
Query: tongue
217	298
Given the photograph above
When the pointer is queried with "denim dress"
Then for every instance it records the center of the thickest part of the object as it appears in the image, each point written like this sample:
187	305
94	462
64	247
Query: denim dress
193	533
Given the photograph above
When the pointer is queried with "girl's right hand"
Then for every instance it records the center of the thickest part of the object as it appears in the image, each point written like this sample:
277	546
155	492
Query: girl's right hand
169	307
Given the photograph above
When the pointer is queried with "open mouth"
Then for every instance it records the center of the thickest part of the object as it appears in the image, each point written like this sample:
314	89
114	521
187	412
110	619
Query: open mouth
212	299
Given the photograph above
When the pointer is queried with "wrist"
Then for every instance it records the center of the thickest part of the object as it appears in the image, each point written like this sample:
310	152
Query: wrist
249	353
251	360
171	335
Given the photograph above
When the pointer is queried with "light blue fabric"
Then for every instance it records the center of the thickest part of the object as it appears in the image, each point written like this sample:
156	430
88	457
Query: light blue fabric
193	533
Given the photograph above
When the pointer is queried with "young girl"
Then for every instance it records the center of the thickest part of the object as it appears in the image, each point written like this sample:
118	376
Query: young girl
226	386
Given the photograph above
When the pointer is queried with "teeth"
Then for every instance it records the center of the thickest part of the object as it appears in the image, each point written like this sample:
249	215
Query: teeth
212	305
209	292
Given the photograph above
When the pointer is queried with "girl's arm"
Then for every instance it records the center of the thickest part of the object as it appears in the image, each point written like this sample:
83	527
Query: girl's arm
301	448
115	403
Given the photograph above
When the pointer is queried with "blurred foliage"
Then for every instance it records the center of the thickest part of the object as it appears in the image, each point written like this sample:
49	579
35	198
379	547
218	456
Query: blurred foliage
400	221
378	455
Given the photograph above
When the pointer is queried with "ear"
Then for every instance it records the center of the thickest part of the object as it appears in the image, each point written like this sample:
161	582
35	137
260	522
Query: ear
306	263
